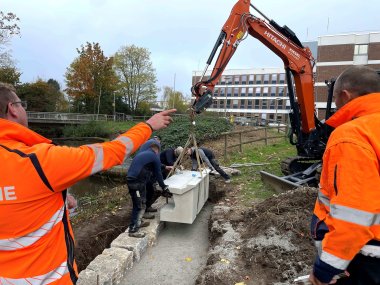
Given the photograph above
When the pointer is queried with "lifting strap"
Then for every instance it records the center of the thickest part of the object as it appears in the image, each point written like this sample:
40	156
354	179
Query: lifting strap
190	141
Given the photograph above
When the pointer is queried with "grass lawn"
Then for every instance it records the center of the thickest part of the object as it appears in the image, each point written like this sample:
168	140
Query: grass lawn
252	188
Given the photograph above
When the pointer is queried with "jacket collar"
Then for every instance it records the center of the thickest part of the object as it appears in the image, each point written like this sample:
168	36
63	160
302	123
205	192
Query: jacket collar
11	131
360	106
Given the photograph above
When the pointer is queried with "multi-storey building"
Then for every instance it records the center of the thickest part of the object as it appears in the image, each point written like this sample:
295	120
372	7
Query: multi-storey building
252	93
338	52
262	92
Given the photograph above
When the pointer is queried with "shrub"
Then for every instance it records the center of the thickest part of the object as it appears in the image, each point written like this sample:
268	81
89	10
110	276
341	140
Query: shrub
205	128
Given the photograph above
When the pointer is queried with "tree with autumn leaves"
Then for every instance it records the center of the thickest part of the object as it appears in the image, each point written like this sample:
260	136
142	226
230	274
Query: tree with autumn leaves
95	82
91	80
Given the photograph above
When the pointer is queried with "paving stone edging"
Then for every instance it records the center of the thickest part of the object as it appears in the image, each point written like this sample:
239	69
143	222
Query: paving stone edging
110	267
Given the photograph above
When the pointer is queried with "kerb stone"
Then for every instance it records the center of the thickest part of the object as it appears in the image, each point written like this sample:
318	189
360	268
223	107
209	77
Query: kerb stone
136	245
111	265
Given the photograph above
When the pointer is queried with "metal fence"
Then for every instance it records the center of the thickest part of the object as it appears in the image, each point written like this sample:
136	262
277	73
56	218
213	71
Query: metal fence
76	117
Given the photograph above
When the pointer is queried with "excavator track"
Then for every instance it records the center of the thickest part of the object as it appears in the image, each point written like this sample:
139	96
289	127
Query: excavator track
296	164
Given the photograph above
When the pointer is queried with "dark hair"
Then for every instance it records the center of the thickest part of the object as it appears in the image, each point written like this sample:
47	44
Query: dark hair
7	94
360	80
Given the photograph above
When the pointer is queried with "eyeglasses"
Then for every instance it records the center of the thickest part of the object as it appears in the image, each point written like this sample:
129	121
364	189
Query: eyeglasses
23	104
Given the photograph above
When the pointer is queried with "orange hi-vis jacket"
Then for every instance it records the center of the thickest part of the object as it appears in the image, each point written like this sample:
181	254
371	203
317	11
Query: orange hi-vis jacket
36	239
346	217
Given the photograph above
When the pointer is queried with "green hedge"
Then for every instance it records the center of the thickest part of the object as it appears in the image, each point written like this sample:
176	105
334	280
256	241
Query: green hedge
97	129
176	134
205	128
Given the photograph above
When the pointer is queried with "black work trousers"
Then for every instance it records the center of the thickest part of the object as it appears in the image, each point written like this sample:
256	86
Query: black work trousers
137	190
217	167
364	270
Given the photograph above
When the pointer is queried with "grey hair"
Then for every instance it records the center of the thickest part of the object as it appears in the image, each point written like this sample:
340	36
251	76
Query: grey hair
359	80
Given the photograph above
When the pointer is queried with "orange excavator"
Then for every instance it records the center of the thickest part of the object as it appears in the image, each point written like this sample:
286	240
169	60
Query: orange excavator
308	133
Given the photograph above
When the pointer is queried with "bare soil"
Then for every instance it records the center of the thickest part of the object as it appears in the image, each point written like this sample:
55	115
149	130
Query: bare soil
265	243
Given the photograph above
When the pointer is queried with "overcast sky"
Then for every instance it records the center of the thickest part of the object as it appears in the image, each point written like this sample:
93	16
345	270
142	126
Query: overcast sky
179	34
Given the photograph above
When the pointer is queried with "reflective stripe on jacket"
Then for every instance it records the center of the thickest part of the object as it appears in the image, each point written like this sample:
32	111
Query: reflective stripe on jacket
347	211
36	239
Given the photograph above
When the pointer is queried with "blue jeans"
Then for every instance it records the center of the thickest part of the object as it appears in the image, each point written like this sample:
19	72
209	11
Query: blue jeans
137	190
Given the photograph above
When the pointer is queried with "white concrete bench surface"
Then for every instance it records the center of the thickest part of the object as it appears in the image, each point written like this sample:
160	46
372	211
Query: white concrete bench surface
190	192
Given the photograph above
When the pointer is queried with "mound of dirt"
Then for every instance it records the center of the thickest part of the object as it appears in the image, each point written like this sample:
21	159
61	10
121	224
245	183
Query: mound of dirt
268	243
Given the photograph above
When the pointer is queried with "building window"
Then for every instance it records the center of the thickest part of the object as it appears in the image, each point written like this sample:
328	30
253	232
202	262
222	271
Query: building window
215	104
257	104
361	49
235	104
249	104
266	78
265	104
280	104
236	92
251	79
242	103
229	92
216	91
274	79
236	79
244	79
250	91
221	103
228	80
258	78
222	92
258	92
273	91
282	78
228	103
223	80
265	91
281	91
243	91
271	104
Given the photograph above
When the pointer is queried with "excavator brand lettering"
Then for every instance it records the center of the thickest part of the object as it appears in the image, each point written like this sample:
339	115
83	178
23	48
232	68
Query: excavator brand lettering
276	40
294	53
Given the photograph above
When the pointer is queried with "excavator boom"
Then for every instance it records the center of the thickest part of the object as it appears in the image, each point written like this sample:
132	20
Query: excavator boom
307	132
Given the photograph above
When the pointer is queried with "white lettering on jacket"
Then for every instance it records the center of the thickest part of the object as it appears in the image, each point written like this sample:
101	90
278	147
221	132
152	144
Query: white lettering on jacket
7	193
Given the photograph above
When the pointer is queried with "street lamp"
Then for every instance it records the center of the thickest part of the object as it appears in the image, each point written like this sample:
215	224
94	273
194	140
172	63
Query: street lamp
276	103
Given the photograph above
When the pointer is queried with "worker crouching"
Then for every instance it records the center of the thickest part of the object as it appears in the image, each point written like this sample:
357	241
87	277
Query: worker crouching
144	166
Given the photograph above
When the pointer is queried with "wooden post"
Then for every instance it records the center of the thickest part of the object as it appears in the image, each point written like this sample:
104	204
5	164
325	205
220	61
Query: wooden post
225	147
240	141
286	130
266	136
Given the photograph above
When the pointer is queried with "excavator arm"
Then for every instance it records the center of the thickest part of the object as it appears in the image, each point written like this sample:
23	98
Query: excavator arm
298	61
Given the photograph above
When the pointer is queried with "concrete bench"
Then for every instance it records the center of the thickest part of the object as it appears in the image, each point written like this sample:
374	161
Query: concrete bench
190	192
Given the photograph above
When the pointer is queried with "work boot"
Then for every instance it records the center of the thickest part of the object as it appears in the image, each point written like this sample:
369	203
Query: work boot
149	216
144	224
134	232
150	210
